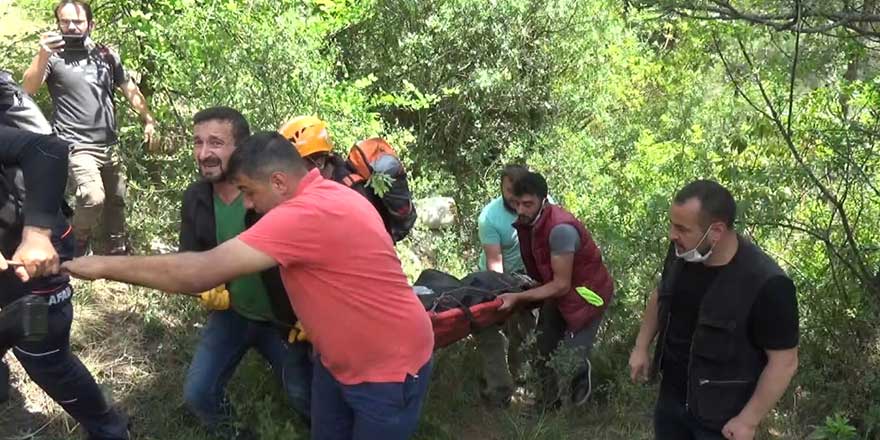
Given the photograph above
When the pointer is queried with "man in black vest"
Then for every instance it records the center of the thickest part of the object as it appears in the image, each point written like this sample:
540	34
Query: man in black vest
727	321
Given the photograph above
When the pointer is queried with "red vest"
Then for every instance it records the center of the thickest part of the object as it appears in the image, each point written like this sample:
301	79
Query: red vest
588	270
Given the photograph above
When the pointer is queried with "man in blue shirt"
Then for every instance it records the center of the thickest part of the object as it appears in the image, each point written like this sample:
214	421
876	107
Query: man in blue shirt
501	254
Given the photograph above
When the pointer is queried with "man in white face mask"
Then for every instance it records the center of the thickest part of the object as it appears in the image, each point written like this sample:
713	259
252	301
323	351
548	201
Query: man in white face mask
727	324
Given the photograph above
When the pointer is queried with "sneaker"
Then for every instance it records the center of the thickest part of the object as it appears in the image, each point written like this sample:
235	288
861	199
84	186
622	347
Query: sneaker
582	386
123	251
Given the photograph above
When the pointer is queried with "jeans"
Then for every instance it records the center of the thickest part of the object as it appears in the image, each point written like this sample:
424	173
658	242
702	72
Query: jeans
225	339
672	421
366	411
51	365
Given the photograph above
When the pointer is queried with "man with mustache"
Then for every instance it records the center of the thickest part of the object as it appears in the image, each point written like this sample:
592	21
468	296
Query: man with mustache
575	287
213	211
726	320
82	77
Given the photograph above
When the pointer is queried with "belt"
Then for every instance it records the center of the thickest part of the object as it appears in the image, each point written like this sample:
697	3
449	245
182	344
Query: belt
58	295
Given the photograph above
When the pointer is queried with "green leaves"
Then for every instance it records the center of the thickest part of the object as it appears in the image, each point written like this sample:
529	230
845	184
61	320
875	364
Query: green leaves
380	183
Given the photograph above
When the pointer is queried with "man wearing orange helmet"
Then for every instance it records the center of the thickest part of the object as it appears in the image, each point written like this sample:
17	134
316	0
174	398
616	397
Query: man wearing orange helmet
389	194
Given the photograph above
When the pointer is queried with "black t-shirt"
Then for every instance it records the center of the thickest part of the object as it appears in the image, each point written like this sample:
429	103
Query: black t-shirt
81	83
773	322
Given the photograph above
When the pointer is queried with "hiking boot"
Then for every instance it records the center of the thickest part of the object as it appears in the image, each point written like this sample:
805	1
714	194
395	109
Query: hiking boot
4	381
496	401
229	431
118	245
119	251
499	397
582	386
83	248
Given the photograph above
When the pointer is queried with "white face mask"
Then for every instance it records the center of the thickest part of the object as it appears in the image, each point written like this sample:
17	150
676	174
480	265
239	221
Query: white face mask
693	255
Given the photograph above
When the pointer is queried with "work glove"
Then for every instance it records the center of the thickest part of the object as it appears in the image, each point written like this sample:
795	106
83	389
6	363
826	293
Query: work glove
216	299
297	334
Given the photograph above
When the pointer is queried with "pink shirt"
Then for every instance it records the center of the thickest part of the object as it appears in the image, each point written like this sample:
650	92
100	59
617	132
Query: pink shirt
345	282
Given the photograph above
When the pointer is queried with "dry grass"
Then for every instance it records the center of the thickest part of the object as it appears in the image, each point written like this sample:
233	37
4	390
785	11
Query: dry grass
128	338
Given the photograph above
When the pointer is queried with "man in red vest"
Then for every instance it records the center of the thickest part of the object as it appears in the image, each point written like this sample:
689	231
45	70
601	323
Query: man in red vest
575	287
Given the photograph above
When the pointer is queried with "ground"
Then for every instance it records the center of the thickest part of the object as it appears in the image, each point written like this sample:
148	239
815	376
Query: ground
138	344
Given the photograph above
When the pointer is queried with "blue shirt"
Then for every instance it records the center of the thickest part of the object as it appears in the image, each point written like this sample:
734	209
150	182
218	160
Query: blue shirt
496	227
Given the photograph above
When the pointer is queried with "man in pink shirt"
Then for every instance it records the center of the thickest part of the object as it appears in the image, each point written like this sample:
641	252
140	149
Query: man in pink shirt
371	335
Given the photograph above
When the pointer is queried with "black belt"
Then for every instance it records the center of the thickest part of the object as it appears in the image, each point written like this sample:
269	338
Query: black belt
56	296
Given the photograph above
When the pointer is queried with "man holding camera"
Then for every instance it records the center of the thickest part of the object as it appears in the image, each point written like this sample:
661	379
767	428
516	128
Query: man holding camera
81	77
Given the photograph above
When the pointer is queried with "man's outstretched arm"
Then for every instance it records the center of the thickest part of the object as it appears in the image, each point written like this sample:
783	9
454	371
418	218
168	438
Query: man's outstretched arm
187	272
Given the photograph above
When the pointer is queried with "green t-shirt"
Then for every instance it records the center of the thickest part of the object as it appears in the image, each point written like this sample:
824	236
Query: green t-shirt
249	296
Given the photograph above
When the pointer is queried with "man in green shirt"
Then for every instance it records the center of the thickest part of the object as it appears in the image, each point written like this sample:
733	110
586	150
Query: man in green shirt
254	311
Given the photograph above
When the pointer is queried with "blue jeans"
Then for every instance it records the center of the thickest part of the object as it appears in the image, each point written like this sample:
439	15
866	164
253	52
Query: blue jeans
366	411
50	363
672	421
225	339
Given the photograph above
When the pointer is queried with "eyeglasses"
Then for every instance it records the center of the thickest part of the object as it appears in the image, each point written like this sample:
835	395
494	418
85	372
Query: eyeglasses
67	23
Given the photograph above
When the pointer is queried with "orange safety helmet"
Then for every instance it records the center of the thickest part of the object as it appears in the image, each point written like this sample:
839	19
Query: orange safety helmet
308	134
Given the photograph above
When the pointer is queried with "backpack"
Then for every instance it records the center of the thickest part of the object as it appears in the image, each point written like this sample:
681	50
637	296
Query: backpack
391	197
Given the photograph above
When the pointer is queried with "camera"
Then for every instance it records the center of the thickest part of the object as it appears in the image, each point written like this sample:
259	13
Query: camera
74	42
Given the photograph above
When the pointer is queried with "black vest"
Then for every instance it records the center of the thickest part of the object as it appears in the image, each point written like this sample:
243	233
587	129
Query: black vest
724	364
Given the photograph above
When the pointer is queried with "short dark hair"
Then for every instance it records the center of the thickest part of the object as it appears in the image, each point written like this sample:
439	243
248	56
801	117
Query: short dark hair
530	183
513	172
80	3
240	127
716	202
264	153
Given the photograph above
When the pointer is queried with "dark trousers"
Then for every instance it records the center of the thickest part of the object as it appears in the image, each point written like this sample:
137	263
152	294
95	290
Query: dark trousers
672	421
553	339
51	365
